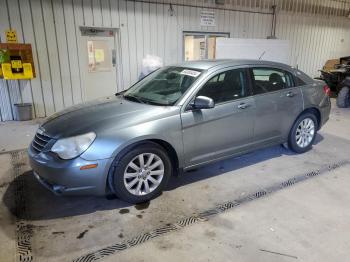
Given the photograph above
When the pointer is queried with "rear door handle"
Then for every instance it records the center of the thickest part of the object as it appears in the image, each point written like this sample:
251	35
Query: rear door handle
243	106
290	94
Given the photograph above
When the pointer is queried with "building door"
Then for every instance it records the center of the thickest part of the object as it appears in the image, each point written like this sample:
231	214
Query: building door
99	63
198	46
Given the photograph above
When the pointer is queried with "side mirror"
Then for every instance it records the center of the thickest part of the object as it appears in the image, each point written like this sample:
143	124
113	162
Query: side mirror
202	102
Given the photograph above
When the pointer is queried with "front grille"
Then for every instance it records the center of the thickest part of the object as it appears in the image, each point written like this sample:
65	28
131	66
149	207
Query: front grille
39	142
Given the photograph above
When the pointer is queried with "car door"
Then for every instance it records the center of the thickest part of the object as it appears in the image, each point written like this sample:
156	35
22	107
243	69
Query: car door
214	133
278	102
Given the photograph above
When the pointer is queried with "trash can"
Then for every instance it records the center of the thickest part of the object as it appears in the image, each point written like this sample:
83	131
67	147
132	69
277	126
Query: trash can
23	111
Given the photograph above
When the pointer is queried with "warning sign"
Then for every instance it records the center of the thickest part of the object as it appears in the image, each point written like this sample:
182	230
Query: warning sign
207	18
11	36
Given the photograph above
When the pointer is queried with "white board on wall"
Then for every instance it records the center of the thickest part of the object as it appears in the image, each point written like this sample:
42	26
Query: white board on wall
239	48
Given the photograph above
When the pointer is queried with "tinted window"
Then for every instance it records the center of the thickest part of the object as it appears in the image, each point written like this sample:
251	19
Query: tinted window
269	80
226	86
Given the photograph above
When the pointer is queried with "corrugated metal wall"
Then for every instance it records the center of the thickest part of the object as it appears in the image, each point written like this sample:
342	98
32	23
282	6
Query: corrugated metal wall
318	30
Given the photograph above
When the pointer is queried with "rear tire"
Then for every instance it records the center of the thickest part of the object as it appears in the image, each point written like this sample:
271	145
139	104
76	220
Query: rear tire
343	98
140	174
303	133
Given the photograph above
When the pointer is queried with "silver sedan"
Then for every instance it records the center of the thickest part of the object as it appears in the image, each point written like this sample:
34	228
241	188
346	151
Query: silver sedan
177	118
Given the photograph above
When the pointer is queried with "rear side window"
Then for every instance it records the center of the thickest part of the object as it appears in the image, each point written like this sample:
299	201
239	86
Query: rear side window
299	82
271	79
226	86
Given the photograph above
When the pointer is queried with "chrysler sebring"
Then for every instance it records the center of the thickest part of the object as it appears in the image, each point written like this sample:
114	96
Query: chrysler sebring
177	118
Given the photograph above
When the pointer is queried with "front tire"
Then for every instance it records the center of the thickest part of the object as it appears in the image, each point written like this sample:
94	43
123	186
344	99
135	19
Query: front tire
303	133
140	174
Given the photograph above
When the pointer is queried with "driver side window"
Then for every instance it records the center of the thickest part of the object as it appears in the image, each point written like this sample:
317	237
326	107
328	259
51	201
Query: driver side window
226	86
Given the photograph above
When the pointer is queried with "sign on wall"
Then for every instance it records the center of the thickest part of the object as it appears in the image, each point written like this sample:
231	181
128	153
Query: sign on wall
207	18
11	36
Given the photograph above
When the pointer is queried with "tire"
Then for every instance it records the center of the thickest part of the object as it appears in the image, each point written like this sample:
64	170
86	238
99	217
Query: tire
343	98
297	145
122	168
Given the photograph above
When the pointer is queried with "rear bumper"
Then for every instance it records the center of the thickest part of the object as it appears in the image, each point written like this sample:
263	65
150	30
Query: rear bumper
325	110
64	177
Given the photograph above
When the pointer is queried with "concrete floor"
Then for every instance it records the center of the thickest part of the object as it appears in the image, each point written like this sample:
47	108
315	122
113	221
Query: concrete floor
306	221
17	135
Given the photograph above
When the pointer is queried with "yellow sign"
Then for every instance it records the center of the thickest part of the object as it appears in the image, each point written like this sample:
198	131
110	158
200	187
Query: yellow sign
11	36
99	55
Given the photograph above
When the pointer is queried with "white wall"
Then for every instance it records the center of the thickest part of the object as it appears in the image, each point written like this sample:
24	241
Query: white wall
245	48
52	27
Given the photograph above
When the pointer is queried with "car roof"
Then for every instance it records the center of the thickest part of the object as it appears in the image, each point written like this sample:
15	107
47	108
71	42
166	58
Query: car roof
217	63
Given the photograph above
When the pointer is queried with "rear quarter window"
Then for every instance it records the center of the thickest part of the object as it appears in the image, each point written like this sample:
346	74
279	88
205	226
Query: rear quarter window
298	81
301	79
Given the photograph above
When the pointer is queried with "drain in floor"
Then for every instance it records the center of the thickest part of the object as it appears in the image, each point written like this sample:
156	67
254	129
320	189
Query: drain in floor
24	231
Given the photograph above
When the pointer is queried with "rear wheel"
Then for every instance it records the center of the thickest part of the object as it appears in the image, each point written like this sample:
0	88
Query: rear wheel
140	174
343	98
303	133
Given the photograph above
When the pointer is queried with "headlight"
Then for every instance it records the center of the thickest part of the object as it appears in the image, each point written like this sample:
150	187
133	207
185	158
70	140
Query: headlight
71	147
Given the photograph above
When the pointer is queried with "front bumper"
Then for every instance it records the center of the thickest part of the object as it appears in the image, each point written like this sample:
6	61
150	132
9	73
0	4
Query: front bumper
64	177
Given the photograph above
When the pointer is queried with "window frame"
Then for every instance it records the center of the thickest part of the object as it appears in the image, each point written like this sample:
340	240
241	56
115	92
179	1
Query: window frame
206	36
267	67
216	73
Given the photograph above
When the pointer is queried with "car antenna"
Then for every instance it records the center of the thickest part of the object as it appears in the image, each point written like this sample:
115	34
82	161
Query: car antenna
263	53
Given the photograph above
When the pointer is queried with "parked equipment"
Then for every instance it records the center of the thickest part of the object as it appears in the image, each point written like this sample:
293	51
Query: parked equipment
336	73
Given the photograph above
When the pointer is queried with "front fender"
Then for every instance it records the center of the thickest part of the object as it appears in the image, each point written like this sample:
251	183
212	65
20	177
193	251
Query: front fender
110	142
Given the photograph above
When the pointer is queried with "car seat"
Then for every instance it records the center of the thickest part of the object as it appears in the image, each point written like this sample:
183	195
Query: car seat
276	82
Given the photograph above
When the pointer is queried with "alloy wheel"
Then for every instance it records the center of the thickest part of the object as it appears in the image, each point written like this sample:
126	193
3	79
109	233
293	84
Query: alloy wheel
143	174
305	132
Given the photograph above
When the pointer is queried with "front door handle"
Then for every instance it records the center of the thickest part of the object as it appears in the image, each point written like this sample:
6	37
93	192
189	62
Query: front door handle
242	106
290	94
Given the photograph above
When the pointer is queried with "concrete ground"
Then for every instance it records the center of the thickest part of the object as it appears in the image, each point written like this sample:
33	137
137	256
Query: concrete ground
294	220
17	135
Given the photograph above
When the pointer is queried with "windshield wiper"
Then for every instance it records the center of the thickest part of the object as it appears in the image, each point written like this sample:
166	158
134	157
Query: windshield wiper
144	100
133	98
152	102
120	93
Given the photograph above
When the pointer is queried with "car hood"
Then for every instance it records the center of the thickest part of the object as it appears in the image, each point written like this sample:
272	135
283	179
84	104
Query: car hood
100	115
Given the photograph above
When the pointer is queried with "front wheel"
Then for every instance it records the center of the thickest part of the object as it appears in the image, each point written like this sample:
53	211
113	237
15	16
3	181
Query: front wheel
303	133
140	174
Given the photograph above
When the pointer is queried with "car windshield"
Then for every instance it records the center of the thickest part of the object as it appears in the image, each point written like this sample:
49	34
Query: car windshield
163	87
